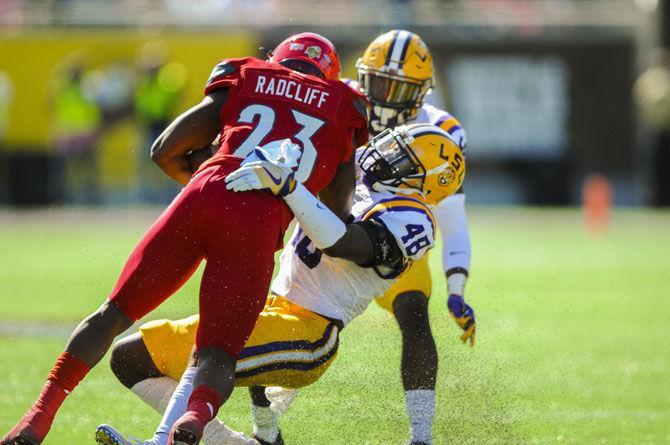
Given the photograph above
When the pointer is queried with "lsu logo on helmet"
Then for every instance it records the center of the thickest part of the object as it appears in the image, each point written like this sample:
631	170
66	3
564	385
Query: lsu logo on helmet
419	160
396	73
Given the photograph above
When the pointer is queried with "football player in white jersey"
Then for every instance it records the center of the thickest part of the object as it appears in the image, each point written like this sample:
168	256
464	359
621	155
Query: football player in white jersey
328	274
396	74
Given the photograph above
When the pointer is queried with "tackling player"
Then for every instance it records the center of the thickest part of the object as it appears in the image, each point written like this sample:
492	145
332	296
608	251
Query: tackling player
327	276
396	73
248	102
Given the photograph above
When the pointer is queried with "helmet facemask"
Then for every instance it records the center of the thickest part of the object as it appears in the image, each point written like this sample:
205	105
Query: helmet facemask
389	163
395	99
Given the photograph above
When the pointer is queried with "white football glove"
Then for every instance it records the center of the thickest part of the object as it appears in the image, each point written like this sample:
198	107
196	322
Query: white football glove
269	168
280	398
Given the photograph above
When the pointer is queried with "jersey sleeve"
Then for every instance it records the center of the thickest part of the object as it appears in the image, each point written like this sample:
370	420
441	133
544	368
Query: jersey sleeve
409	221
224	75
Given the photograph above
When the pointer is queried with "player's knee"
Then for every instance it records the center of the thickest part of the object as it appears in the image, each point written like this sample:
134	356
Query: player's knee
411	312
131	362
109	319
218	369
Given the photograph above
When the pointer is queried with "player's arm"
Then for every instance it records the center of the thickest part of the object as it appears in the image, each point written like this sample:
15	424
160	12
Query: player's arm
456	253
339	194
367	243
192	130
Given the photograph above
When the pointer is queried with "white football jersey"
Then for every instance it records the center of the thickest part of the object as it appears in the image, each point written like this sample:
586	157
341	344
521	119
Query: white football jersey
338	288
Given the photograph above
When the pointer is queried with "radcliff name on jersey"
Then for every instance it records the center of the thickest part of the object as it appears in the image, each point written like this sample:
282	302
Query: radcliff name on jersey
290	89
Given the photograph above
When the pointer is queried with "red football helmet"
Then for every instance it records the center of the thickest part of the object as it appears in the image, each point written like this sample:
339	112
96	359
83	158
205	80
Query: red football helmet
312	48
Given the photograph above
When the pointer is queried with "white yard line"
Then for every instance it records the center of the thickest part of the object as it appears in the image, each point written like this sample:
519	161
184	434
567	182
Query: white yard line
40	329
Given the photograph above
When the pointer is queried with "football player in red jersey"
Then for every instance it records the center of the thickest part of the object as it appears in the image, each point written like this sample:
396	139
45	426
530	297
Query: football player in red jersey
248	102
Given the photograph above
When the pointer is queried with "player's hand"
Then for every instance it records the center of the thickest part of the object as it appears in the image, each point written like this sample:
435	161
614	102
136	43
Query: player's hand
464	317
270	168
262	175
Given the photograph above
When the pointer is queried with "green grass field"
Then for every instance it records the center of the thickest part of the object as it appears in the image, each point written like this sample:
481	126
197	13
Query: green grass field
573	337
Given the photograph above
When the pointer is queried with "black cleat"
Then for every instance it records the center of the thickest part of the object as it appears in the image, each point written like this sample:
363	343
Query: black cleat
278	441
183	437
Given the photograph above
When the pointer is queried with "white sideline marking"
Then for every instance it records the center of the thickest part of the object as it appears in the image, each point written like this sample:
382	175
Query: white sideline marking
35	329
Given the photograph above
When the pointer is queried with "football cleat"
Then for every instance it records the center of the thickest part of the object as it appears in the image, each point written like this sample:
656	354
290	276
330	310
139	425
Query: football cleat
418	160
395	73
184	437
107	435
278	441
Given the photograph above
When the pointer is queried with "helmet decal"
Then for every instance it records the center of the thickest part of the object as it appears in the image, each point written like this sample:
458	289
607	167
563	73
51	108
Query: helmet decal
313	52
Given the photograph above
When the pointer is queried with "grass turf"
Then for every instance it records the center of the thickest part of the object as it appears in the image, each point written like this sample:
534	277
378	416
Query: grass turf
572	339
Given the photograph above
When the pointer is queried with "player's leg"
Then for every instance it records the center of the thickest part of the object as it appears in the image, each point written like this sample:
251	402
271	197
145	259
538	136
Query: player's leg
265	420
162	261
240	260
156	365
131	361
408	301
290	347
418	364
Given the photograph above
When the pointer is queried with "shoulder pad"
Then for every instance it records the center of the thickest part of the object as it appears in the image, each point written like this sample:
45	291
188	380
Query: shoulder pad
224	68
451	125
224	74
409	221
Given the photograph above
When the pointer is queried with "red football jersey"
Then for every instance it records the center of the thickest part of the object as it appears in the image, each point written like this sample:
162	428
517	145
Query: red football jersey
268	102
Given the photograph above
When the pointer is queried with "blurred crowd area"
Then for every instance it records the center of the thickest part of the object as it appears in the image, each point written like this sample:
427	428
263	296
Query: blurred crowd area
316	12
93	110
550	91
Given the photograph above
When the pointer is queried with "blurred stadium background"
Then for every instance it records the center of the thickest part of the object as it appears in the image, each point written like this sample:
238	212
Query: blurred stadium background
544	87
554	94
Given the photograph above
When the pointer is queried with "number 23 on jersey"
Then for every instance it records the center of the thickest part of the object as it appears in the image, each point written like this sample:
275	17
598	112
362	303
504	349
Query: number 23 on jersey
266	120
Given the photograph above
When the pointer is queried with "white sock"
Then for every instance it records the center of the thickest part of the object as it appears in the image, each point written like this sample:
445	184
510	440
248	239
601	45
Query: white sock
155	392
266	426
216	433
176	407
421	412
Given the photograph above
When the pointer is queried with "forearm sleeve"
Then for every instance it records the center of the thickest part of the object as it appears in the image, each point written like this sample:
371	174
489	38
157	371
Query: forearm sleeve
453	223
322	226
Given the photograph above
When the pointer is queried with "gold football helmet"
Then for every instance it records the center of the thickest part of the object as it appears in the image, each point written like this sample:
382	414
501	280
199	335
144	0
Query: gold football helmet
395	73
419	160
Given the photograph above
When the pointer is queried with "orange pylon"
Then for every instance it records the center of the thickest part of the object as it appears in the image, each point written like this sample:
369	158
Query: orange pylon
596	203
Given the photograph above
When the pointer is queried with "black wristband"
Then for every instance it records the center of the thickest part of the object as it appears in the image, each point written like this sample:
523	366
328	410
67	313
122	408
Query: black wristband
455	270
